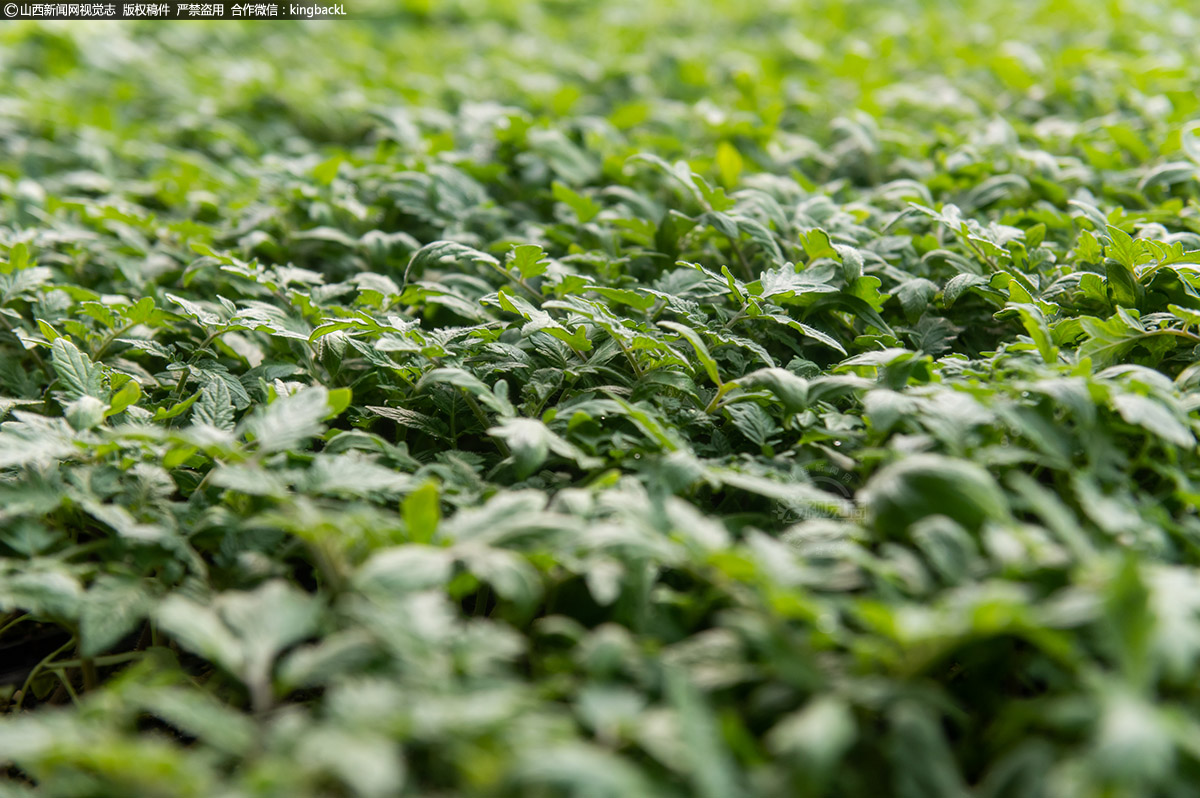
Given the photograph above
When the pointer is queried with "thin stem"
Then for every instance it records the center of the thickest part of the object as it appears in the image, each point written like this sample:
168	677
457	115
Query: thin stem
521	282
101	662
1177	333
996	267
37	670
714	403
187	370
979	253
181	385
87	667
481	599
14	622
204	480
567	385
108	340
741	314
66	683
747	272
578	353
637	370
483	419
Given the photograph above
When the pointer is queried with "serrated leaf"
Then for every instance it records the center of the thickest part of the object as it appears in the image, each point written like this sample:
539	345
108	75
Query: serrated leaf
289	420
215	405
77	373
439	251
752	421
529	261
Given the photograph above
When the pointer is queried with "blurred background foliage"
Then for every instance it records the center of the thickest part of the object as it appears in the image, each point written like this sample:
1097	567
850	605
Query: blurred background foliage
602	399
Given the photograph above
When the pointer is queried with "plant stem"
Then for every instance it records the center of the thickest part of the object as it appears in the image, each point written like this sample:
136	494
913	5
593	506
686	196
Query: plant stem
108	339
37	669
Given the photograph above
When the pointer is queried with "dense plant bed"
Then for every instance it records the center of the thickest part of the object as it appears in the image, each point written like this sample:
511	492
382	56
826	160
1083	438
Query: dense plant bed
618	399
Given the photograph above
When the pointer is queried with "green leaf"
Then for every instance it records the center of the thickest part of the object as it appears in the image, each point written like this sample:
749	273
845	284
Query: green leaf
471	384
790	390
1123	249
729	164
326	171
923	485
199	714
77	373
805	329
915	737
195	311
710	768
819	733
45	590
752	421
111	609
531	441
403	569
177	409
513	578
18	258
215	405
199	629
243	631
529	261
585	208
125	398
693	338
1034	322
1123	285
1145	412
817	244
440	251
338	399
423	512
1109	340
289	420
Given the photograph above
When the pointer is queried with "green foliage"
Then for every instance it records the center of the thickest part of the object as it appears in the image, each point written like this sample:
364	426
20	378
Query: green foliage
603	399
